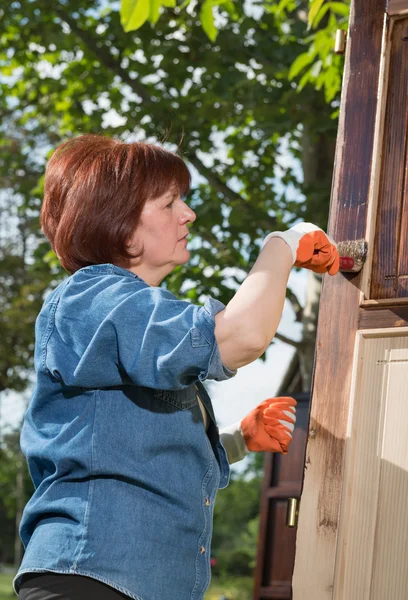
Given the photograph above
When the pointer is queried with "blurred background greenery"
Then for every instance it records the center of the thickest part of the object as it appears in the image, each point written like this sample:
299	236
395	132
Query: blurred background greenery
249	90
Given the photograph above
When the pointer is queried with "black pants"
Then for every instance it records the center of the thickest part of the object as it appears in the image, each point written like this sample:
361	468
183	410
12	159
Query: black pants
56	586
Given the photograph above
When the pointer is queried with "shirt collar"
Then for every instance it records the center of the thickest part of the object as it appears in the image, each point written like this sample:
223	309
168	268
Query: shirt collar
108	268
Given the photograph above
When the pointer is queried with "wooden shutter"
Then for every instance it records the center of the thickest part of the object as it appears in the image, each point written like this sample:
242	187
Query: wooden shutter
352	540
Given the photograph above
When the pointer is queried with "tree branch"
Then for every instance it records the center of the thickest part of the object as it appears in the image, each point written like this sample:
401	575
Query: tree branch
262	219
297	307
287	340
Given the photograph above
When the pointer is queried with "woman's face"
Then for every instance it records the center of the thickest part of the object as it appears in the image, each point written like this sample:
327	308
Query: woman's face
161	232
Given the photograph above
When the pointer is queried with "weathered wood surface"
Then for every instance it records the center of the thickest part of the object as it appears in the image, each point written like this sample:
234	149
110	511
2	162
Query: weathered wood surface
396	316
397	7
339	310
384	302
389	277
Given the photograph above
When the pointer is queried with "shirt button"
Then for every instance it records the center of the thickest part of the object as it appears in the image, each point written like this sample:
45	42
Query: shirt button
202	550
207	502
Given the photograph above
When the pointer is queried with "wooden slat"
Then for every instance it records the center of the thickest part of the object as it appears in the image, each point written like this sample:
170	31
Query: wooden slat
390	565
402	229
389	277
396	316
339	312
357	529
385	302
373	194
397	7
372	550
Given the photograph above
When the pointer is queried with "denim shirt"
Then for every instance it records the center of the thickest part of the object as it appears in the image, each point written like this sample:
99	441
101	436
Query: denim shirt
125	474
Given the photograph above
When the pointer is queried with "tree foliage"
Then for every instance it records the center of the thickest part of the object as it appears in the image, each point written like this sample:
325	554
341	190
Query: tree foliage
70	69
11	463
233	104
318	65
236	523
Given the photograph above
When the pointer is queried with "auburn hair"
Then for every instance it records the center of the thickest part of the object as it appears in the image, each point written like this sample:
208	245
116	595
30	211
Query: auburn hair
94	191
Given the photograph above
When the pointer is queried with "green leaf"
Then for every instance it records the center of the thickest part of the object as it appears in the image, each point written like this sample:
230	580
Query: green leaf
49	255
315	6
154	11
207	20
282	6
304	80
8	71
227	5
320	15
316	68
133	13
172	3
340	8
300	63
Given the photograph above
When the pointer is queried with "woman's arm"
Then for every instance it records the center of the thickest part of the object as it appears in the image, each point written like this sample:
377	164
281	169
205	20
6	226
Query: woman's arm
245	328
247	325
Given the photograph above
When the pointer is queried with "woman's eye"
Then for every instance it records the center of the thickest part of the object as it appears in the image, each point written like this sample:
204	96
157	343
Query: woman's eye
171	204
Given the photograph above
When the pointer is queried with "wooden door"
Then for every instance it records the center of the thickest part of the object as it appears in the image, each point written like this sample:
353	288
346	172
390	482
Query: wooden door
282	480
352	539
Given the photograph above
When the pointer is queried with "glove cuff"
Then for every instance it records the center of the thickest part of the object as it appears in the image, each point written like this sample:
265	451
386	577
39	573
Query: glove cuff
288	239
234	442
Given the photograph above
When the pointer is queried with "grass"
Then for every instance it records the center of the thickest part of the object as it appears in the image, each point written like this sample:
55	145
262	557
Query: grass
6	589
232	588
236	588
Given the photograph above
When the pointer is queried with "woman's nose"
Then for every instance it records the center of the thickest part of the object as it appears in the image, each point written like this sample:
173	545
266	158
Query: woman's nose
188	214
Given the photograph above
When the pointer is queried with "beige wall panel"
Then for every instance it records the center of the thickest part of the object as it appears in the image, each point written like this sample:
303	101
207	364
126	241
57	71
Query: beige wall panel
390	565
355	186
372	558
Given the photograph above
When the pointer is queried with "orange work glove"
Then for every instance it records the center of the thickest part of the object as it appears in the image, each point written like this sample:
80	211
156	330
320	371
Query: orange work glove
311	248
268	428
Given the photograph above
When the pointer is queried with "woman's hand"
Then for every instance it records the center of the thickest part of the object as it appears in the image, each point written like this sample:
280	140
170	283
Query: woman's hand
311	248
268	428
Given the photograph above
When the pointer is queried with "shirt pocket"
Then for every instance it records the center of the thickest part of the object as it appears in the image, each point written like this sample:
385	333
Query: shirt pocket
181	399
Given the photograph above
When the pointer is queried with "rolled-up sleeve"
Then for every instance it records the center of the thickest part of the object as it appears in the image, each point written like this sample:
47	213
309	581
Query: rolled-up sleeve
167	343
216	369
106	331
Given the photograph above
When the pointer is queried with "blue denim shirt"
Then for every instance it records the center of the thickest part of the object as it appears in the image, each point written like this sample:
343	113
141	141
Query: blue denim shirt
125	474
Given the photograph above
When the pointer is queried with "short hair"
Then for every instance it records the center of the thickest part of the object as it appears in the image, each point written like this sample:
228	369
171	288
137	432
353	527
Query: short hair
94	191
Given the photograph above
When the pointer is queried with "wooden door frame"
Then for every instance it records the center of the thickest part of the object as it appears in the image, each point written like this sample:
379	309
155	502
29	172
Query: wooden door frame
397	7
355	185
263	586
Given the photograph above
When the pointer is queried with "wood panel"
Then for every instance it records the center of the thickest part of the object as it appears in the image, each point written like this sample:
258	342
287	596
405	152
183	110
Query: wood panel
384	302
282	480
397	7
339	312
372	559
389	277
375	318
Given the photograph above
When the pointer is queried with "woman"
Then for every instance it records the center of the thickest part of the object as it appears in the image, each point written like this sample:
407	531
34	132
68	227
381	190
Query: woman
120	435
